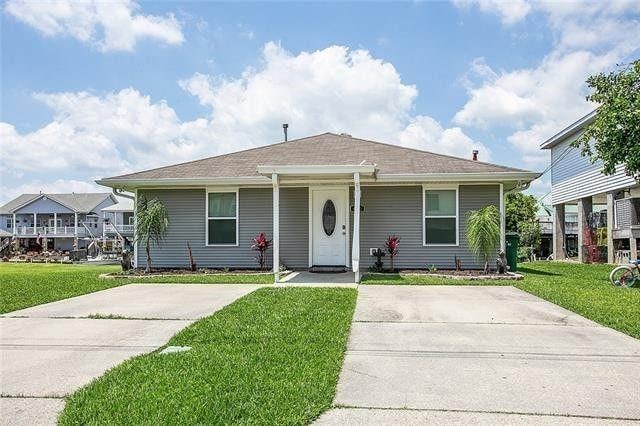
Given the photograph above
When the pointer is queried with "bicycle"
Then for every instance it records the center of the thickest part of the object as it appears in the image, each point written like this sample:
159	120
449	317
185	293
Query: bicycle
626	275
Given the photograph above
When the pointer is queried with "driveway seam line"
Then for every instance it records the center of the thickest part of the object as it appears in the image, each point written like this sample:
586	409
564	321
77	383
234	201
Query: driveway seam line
453	410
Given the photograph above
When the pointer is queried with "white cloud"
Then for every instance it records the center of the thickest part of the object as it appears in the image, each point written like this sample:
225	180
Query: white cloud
426	133
535	103
510	11
108	26
10	192
334	89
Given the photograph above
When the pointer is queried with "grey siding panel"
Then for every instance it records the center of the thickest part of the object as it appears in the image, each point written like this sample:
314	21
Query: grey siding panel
294	227
569	161
398	210
186	208
573	176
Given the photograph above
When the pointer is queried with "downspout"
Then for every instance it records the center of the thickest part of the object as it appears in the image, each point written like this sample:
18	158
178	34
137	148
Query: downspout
120	193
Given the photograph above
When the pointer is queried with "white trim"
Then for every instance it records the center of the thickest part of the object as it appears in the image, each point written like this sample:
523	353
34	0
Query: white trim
264	181
569	130
426	188
310	209
236	217
503	220
135	228
355	243
276	227
347	261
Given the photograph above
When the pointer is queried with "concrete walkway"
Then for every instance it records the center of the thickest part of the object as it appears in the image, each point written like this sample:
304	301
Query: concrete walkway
49	351
457	354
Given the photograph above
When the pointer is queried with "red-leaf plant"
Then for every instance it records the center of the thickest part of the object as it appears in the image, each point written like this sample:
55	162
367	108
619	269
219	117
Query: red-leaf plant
392	245
260	244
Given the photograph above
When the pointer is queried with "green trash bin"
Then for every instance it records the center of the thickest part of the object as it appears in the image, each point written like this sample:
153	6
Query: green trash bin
512	241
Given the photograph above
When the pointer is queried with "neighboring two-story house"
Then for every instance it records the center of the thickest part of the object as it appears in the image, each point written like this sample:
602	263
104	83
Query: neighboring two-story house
577	181
63	221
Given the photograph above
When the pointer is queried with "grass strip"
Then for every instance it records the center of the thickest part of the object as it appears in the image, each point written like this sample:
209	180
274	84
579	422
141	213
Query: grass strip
272	357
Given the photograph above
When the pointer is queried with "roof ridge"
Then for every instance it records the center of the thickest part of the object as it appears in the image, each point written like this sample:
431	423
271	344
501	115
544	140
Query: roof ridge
422	151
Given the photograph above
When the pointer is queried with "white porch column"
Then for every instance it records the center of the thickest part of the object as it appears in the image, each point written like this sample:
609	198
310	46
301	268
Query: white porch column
14	228
35	223
355	244
276	226
610	220
55	223
75	231
633	245
502	220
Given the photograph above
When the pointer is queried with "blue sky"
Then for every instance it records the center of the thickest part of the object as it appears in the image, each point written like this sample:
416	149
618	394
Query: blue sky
90	91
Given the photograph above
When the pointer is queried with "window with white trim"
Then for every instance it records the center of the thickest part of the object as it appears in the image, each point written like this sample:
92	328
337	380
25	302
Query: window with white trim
222	218
441	216
9	223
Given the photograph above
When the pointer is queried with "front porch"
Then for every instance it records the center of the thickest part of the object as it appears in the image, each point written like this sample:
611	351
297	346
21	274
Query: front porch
332	242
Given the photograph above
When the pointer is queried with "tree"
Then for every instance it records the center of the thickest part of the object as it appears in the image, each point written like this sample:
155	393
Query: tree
614	136
483	233
519	209
152	222
530	236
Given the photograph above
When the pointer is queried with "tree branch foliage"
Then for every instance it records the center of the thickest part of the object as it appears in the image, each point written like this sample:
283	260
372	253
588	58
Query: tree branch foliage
614	136
152	223
483	233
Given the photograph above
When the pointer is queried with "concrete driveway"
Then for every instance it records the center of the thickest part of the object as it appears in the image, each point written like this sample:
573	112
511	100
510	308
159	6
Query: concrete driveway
457	354
49	351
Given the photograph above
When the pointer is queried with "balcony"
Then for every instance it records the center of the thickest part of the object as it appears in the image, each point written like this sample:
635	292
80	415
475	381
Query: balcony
49	231
110	228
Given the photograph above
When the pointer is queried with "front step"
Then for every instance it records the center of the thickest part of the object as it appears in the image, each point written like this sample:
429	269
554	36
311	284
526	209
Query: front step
328	269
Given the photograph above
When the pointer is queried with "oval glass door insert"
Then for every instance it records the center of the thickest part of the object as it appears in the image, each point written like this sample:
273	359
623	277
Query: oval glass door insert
329	217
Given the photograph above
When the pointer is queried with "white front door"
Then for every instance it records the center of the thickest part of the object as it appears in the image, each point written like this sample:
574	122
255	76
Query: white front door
330	227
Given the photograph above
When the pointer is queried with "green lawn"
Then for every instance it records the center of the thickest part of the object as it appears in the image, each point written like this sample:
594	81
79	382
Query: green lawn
28	284
584	289
272	357
24	285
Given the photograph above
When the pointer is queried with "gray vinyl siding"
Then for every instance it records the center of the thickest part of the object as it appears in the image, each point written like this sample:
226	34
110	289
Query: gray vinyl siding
398	211
186	209
569	161
388	210
294	227
574	176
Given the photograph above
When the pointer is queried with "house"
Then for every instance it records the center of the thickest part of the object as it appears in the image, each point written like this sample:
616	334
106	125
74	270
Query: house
546	233
118	219
62	221
575	181
325	200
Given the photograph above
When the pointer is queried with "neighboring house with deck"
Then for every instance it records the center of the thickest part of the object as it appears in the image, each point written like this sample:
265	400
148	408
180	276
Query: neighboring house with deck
64	220
118	219
577	181
325	200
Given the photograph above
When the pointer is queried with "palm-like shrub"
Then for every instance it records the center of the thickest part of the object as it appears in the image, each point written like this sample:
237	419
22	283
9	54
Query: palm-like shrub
152	222
483	233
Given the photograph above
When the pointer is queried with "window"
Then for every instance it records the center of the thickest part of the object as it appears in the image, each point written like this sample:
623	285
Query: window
222	218
329	217
441	216
9	223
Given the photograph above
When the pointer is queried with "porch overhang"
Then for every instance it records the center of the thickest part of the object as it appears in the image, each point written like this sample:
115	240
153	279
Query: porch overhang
335	171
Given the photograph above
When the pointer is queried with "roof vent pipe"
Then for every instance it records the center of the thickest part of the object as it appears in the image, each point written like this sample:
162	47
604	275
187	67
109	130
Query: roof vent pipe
475	155
285	126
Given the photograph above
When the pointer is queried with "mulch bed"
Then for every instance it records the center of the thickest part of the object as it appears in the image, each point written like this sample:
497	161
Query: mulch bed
169	272
470	274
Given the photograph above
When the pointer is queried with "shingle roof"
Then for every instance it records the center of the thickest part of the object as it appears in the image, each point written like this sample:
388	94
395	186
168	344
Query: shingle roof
79	202
324	149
